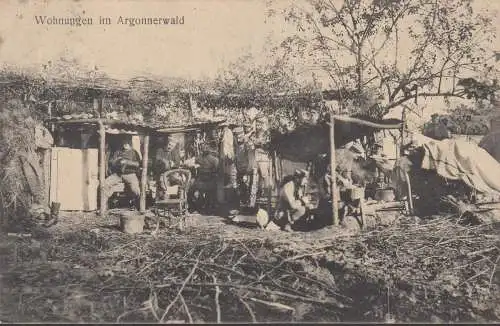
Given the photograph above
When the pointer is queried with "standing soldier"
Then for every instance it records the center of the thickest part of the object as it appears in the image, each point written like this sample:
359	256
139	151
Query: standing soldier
244	153
228	178
205	186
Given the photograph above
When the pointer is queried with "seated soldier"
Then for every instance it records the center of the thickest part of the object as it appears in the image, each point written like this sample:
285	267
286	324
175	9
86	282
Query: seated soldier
293	205
125	164
168	158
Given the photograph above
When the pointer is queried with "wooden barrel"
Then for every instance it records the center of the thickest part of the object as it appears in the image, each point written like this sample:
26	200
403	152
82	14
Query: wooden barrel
132	223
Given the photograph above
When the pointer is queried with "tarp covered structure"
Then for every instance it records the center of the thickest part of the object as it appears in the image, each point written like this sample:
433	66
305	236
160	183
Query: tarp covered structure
462	160
491	143
306	142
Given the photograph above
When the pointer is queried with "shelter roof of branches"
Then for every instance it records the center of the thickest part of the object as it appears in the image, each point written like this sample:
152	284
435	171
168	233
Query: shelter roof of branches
204	93
87	89
254	99
306	142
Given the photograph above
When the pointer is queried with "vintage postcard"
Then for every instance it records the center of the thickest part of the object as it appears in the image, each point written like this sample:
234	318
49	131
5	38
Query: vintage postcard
172	161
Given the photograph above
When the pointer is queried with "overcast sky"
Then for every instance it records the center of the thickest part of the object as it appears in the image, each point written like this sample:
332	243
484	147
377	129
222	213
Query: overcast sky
214	33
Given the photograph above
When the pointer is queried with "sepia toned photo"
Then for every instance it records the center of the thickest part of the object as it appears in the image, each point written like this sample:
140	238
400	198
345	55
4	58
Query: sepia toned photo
173	161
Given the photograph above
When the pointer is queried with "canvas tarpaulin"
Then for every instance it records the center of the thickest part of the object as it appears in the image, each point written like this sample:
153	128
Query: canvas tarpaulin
461	160
491	143
306	142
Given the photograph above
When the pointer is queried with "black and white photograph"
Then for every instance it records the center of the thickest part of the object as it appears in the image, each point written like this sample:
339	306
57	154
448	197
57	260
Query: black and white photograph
172	161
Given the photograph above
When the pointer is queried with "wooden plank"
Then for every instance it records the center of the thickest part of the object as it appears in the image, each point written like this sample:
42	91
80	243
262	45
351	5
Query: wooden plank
367	123
144	174
53	190
410	195
96	106
269	186
46	175
68	185
76	190
91	182
102	168
333	167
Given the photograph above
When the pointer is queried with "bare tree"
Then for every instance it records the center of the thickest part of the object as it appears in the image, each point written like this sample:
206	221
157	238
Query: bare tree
393	50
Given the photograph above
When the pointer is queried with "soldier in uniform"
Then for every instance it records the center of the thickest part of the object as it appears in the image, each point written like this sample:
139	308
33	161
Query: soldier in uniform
203	193
125	163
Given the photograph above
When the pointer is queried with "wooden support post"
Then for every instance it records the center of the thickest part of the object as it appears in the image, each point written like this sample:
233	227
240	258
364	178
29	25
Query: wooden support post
102	168
49	109
144	174
333	168
191	105
46	174
96	107
269	184
410	195
403	118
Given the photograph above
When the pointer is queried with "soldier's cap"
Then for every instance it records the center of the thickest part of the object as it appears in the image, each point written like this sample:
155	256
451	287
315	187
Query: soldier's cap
301	173
357	148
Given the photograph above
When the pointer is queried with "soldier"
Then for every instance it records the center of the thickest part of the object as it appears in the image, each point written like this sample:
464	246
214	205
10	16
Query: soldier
204	188
125	164
293	205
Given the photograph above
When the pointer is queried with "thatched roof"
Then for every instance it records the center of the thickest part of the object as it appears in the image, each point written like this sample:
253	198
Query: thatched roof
203	92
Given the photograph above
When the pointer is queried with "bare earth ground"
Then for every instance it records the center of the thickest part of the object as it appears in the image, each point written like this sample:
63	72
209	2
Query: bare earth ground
85	270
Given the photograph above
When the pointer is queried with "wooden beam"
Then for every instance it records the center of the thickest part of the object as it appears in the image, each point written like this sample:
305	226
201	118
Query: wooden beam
411	211
333	168
403	117
95	105
368	123
102	168
144	174
98	106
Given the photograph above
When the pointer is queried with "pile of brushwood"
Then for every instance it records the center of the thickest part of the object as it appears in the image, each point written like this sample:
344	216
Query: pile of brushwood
84	276
17	123
435	270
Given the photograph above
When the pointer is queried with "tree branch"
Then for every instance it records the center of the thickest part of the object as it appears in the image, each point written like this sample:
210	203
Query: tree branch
392	105
348	30
418	59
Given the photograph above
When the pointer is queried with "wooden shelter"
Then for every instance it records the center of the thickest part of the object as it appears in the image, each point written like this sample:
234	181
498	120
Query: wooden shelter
306	142
69	157
84	144
98	128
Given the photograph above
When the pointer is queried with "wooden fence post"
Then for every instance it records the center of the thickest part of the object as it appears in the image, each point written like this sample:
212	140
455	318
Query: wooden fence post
144	174
102	168
333	168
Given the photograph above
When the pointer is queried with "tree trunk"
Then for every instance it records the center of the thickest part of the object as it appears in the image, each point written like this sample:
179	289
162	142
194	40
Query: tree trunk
333	168
359	68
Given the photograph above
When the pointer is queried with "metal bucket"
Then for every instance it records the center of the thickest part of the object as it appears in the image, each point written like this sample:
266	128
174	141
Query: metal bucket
357	193
386	195
132	223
